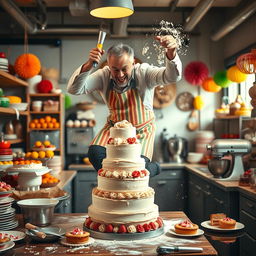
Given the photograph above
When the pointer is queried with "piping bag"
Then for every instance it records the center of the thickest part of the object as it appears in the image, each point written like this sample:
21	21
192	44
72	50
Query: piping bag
101	38
176	249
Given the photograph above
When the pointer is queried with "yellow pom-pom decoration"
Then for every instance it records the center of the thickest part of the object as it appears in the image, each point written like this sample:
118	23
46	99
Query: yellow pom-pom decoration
198	102
235	75
27	65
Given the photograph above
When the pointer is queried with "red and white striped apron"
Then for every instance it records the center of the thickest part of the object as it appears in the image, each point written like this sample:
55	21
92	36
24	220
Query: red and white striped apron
129	106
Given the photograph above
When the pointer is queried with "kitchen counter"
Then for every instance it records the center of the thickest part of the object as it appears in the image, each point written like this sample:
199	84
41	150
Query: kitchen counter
198	169
66	177
100	247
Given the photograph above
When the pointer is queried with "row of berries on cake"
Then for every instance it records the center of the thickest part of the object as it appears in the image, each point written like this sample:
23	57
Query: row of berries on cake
109	228
121	174
119	141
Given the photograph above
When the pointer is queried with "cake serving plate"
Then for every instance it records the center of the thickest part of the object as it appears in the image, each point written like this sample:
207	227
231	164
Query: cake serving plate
126	236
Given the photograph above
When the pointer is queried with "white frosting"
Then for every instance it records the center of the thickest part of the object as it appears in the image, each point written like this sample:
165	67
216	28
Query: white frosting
125	215
124	133
27	166
124	152
140	184
123	163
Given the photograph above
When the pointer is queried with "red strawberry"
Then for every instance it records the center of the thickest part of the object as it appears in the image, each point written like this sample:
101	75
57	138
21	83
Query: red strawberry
122	229
144	172
110	140
109	228
2	55
135	174
88	222
131	140
95	226
146	227
160	222
100	171
140	228
153	225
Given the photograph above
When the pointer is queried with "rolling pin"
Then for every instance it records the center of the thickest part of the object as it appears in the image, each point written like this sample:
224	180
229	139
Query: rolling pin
34	230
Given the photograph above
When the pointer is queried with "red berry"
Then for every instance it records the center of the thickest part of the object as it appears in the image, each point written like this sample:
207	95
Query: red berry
140	228
109	228
122	229
135	174
2	55
146	227
95	226
100	171
153	225
131	140
144	172
88	222
110	140
160	222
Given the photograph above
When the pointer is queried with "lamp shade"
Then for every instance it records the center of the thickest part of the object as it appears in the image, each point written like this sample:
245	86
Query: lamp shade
111	9
246	63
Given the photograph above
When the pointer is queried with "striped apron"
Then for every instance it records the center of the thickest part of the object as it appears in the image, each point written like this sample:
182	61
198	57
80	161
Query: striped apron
129	106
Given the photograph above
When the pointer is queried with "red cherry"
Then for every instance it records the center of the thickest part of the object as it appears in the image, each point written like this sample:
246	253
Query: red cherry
2	55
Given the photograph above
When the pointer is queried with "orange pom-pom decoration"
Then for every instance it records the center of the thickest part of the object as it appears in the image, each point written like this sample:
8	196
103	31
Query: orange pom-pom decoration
45	86
27	65
210	86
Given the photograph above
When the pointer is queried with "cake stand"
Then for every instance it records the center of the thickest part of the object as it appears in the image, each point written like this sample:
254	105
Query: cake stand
29	179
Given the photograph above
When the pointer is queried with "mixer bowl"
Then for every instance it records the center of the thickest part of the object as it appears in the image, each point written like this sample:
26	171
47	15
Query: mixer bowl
219	167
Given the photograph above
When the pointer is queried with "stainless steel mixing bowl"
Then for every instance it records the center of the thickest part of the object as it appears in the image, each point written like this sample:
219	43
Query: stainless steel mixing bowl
219	167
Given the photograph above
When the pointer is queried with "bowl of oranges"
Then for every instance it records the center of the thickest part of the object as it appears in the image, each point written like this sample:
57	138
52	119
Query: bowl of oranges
49	181
43	146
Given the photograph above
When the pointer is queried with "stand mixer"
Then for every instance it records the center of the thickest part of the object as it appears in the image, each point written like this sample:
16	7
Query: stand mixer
225	147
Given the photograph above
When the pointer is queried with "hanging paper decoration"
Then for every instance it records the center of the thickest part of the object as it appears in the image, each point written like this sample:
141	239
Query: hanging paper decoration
210	86
27	65
195	72
198	102
235	75
246	63
220	78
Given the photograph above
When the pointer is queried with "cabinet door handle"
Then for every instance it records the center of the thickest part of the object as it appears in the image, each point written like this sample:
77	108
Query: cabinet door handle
207	193
199	188
161	182
218	201
250	205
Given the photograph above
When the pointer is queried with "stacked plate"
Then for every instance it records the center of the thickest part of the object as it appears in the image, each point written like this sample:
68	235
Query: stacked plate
4	64
7	214
5	155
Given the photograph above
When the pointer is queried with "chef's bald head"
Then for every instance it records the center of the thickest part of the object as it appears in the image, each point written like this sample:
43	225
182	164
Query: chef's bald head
119	49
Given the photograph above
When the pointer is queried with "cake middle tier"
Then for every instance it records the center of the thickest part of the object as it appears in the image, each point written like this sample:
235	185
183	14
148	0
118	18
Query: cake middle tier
112	184
125	152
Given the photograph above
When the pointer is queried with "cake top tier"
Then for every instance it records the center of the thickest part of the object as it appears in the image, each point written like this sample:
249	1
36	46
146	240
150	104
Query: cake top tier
122	130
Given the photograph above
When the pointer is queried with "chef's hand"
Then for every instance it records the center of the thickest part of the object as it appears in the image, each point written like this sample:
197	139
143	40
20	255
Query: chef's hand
170	44
94	56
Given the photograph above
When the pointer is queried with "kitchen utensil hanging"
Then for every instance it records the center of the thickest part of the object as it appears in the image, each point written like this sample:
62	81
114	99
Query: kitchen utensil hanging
193	121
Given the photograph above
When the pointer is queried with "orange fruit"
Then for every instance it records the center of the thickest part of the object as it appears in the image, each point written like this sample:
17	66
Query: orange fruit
47	143
28	154
44	125
36	121
41	154
48	119
34	155
38	144
54	120
32	125
38	125
50	125
49	154
41	120
56	125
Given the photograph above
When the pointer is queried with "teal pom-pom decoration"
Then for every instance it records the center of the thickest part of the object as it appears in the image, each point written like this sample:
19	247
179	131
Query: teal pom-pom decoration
68	101
220	78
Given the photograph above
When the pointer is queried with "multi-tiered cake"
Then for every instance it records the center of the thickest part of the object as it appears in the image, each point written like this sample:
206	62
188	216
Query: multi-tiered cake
123	202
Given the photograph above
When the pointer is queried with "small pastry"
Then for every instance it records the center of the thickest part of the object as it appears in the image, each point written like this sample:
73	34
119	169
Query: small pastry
215	217
186	227
77	236
227	223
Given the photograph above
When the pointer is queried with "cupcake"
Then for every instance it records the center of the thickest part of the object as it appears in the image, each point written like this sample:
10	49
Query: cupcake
186	227
227	223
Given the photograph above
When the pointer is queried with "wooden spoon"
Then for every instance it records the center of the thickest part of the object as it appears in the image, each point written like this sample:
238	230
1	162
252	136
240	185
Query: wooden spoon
193	122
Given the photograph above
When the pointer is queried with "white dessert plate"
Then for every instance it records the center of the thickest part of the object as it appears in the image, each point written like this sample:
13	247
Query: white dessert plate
207	224
14	235
198	233
87	243
7	246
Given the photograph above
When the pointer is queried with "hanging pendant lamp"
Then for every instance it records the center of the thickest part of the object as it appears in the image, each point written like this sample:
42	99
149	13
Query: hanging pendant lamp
111	9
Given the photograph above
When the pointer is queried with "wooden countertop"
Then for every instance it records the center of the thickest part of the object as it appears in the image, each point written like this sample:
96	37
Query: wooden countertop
100	247
65	177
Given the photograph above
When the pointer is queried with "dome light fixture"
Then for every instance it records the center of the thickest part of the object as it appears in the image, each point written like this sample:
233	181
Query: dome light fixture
111	9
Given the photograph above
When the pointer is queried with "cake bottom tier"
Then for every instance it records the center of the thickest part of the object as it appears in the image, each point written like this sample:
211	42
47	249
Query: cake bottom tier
122	216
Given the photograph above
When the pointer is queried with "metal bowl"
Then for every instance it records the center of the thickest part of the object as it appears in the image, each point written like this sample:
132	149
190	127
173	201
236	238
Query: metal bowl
38	211
219	167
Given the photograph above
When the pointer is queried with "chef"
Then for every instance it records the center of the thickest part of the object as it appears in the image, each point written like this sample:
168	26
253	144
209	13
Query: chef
128	90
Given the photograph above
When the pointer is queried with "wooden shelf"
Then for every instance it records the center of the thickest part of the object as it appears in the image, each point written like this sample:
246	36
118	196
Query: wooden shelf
16	141
44	129
12	111
8	80
44	112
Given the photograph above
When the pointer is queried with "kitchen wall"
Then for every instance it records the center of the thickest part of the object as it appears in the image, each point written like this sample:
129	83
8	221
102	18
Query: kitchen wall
74	51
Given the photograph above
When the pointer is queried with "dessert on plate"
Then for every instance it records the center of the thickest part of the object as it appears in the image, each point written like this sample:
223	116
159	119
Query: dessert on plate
77	236
215	218
186	227
227	223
